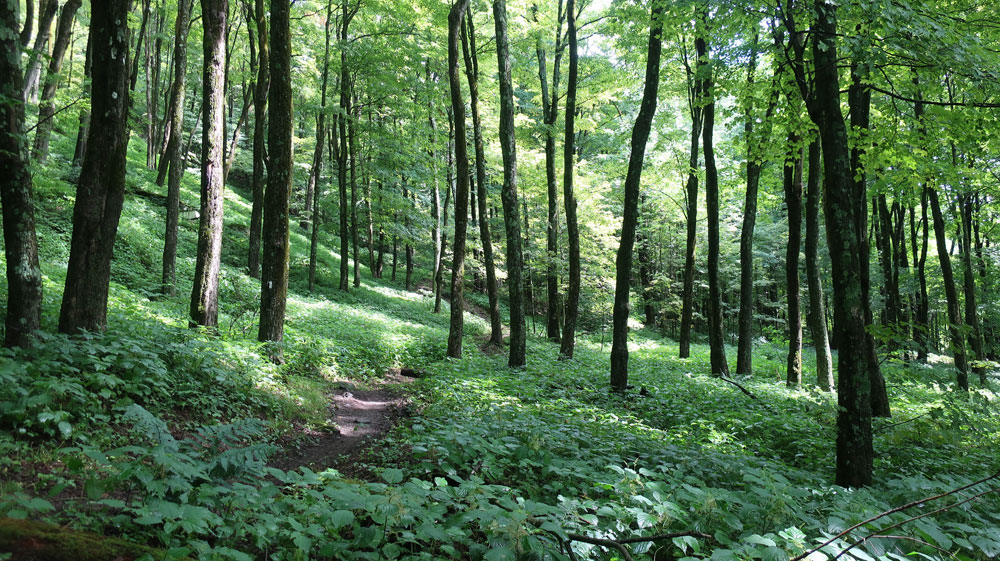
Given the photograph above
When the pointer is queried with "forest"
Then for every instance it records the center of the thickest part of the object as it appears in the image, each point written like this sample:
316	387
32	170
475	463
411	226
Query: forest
500	280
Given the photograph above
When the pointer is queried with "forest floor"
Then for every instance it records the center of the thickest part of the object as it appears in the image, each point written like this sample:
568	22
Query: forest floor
359	419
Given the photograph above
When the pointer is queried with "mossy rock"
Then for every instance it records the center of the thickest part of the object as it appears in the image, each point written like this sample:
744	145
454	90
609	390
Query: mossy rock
28	540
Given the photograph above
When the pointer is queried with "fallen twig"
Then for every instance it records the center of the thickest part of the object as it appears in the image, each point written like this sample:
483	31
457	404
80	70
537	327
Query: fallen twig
899	509
738	385
620	544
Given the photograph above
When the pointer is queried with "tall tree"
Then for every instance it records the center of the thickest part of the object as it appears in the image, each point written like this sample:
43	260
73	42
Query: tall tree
821	91
512	223
550	113
261	85
756	139
569	198
965	205
695	90
274	267
205	291
46	108
716	339
173	155
817	312
472	74
457	323
347	14
955	325
793	202
24	277
100	192
623	262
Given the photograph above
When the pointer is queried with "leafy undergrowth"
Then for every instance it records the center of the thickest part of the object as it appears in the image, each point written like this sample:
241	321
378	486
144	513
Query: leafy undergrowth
160	435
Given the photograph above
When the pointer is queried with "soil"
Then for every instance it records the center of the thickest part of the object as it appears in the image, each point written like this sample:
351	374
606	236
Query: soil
362	416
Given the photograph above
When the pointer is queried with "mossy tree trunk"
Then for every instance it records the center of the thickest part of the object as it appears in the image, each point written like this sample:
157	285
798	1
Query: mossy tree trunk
512	222
205	291
24	277
817	310
101	190
274	267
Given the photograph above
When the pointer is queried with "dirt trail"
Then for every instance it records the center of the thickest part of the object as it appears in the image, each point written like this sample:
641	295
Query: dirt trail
362	418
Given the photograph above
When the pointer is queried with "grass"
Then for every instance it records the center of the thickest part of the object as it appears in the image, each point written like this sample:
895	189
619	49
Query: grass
147	432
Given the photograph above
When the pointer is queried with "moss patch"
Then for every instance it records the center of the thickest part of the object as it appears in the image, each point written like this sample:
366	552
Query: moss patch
36	541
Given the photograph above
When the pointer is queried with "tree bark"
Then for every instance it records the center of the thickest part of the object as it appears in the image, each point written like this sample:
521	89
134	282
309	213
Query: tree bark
512	222
33	70
696	88
569	198
27	30
756	141
101	190
793	202
274	266
46	109
855	454
472	74
173	155
969	284
457	322
817	312
83	130
637	153
353	153
550	113
260	93
205	291
24	276
439	279
716	339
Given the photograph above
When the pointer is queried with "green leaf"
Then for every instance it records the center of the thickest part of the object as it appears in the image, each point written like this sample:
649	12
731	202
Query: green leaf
392	476
94	488
341	518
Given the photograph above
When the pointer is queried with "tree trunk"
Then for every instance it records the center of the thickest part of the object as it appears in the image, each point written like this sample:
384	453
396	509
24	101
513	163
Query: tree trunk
261	86
83	131
435	193
205	291
29	22
133	80
969	282
637	153
716	339
274	266
173	155
24	276
512	222
46	109
472	74
317	165
793	201
550	112
817	311
457	323
756	144
33	70
696	88
101	189
347	13
439	279
355	238
855	454
955	327
569	198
